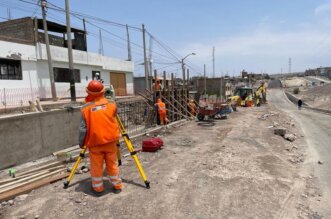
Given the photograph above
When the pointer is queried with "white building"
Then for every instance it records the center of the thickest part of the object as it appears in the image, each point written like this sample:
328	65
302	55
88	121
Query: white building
24	73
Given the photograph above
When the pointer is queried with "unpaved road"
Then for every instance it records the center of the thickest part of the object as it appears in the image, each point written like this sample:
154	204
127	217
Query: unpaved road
317	131
235	168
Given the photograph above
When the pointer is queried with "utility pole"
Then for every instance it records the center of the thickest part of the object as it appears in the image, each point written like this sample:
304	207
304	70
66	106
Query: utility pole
8	14
205	80
290	65
183	71
48	51
213	61
129	44
150	55
221	85
100	43
85	33
188	77
71	61
145	59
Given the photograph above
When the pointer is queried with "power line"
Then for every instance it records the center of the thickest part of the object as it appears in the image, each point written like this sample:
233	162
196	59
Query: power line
80	16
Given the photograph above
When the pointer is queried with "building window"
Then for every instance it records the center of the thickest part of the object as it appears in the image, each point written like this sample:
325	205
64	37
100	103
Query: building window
63	75
96	75
10	69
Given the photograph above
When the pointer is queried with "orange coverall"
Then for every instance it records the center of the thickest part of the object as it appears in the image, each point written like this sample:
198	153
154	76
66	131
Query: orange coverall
192	107
100	132
161	108
156	86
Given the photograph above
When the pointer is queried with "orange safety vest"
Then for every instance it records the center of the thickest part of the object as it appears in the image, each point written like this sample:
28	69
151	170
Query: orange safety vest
100	119
161	107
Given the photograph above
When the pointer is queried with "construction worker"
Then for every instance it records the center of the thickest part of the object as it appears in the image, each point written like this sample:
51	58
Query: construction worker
192	107
99	132
257	98
161	109
156	87
249	100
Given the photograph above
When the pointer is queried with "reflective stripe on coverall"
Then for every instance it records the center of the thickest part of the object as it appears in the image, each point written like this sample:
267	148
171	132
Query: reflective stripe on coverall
99	131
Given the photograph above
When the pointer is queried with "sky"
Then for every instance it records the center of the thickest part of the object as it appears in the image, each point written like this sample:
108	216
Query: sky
256	35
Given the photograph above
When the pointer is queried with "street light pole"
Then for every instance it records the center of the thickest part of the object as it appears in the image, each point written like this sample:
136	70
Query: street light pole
183	64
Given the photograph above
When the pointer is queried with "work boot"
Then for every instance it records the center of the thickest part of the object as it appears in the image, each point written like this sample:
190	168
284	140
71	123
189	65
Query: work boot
117	191
96	193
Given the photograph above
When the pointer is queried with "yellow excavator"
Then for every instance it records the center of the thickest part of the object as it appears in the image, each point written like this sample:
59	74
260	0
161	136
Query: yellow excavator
246	96
243	96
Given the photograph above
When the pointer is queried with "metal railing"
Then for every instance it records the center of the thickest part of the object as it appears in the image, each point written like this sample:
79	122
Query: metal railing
11	97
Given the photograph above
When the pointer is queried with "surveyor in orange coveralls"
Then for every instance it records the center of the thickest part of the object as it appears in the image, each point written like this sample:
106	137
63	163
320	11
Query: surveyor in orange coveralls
99	132
161	109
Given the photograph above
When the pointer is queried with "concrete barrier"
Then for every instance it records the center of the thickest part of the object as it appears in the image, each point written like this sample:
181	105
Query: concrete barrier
27	137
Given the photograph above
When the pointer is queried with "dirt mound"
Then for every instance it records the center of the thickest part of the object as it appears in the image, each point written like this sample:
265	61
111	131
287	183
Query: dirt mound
320	90
295	82
319	97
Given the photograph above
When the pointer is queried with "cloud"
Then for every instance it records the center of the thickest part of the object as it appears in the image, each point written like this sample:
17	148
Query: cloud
268	47
324	8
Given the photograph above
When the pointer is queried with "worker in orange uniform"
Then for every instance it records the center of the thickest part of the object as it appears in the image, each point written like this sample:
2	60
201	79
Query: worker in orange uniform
99	132
161	109
156	87
192	107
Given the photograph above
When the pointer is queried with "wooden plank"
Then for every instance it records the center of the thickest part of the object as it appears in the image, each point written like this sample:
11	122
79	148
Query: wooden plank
30	181
56	163
31	186
28	175
66	150
17	178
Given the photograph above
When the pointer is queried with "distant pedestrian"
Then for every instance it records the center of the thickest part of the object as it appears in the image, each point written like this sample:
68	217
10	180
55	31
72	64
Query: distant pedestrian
299	104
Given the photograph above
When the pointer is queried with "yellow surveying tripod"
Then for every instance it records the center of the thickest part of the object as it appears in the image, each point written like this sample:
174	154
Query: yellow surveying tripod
130	147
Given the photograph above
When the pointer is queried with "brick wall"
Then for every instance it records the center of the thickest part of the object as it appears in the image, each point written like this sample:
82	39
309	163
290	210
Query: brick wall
18	31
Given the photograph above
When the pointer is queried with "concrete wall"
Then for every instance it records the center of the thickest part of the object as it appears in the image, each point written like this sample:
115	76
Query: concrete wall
213	85
60	54
18	30
28	137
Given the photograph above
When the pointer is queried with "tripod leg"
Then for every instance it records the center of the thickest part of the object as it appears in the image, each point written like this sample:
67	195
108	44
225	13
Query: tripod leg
136	160
119	155
132	152
72	173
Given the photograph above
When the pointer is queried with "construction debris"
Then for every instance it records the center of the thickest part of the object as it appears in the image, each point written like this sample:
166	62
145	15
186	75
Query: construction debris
21	198
30	179
290	137
280	131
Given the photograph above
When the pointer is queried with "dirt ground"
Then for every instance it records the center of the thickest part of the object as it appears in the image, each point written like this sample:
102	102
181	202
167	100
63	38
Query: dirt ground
295	82
318	97
234	168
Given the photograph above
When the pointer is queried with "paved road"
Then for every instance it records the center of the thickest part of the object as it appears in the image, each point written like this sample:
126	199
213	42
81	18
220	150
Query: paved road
317	80
317	131
275	84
